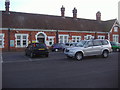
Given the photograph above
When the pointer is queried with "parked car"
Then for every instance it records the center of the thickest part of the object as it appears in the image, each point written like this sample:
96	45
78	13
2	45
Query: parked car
34	49
67	45
57	47
70	44
115	46
89	48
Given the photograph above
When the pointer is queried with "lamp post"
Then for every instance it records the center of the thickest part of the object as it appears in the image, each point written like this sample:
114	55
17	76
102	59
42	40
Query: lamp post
57	34
8	39
95	35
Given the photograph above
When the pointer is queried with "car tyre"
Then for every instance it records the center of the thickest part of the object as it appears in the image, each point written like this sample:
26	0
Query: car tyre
105	54
79	56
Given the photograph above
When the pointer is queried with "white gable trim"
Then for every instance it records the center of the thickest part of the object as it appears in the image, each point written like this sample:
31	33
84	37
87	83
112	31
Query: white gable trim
113	25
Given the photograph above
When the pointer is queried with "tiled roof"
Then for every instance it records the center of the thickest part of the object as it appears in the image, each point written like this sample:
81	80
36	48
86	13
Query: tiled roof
40	21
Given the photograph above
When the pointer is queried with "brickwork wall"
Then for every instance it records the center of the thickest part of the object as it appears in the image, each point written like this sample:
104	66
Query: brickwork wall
32	36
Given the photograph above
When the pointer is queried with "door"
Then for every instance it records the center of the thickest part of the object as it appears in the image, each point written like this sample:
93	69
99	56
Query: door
88	49
97	47
41	38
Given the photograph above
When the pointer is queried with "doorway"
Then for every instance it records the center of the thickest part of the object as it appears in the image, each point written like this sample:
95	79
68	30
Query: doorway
41	38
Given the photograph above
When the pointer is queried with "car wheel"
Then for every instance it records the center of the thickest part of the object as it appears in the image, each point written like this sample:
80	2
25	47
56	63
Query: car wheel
31	55
79	56
56	50
105	54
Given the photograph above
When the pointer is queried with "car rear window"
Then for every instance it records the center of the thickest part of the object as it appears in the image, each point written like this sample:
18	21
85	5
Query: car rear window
39	45
104	42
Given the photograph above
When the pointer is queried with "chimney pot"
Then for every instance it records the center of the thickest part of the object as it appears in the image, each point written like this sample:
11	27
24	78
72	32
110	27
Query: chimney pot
74	13
7	3
62	11
98	16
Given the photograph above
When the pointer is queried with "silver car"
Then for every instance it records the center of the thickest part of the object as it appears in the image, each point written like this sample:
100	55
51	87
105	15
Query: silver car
89	48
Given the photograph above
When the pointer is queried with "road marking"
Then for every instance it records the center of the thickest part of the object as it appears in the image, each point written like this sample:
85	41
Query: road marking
15	61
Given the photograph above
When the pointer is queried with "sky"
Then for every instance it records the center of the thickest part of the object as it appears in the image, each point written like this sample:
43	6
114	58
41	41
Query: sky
85	8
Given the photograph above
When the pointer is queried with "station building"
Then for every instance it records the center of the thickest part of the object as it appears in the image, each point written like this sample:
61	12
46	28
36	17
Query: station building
18	29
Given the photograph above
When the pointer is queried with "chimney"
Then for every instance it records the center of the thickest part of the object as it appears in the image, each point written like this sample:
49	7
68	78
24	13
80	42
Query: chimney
98	16
7	3
62	11
74	13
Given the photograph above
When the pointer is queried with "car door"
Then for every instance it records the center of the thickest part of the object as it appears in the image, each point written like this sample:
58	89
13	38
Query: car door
88	48
97	47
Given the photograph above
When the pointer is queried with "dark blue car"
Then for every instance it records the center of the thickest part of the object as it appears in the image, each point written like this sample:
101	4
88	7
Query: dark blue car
58	47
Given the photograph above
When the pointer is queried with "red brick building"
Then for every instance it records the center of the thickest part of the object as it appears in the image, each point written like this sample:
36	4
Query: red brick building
18	29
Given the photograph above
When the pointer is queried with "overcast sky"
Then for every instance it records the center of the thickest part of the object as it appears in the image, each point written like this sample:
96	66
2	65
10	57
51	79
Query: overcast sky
86	8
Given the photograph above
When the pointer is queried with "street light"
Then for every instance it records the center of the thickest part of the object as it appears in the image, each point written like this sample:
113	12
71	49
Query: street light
8	39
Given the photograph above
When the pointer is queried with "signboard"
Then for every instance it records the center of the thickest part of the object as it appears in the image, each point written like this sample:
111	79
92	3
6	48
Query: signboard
11	43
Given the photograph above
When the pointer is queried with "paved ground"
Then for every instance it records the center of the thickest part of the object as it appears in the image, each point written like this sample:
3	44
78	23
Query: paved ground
57	71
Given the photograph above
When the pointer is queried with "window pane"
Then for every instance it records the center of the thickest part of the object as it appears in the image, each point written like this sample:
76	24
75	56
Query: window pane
24	37
50	43
65	37
61	39
115	29
90	43
18	42
18	37
65	41
50	39
104	42
97	43
78	38
24	43
1	36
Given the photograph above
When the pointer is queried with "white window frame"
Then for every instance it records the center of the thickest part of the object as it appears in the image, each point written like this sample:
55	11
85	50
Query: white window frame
115	38
3	35
21	40
63	38
52	38
76	38
115	29
101	37
86	37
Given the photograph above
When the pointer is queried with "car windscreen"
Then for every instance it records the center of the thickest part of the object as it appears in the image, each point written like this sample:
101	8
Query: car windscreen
81	44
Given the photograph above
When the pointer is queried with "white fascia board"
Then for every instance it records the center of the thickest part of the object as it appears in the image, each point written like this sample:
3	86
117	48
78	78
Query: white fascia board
85	31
